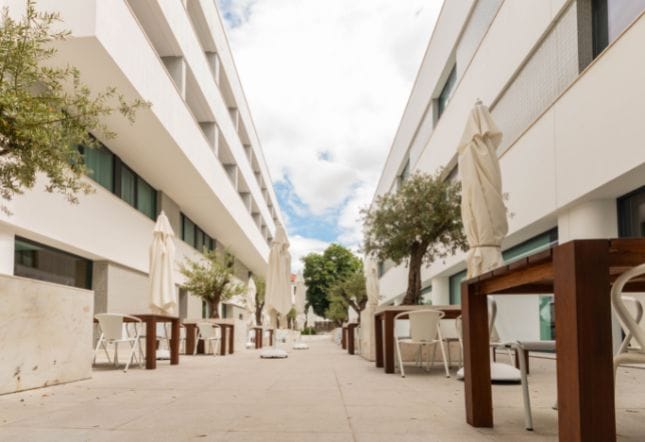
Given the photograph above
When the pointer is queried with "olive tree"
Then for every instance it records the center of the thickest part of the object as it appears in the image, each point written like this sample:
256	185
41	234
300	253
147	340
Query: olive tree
211	278
417	224
46	111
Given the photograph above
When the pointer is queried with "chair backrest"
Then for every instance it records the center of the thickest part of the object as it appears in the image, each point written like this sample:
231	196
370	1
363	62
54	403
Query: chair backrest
208	330
402	328
112	325
424	324
449	329
627	321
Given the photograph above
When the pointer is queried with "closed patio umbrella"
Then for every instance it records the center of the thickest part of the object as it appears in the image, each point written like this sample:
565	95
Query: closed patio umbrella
278	286
251	291
483	212
301	316
482	204
162	255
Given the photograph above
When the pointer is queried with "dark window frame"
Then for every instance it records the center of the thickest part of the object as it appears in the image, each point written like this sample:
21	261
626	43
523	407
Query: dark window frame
118	165
89	262
624	206
446	92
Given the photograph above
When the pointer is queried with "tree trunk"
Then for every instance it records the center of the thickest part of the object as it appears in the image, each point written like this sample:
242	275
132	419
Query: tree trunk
214	303
413	293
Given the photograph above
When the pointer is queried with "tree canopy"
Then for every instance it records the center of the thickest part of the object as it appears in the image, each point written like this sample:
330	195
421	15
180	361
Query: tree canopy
323	270
350	292
211	278
417	224
46	111
260	286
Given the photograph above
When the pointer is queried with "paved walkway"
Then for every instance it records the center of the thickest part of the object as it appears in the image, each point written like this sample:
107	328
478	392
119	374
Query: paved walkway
321	394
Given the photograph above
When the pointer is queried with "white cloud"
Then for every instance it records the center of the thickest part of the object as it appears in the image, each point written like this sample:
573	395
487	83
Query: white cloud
327	82
300	246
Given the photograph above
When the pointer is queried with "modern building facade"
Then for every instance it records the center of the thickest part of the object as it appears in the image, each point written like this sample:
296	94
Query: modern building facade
194	154
564	82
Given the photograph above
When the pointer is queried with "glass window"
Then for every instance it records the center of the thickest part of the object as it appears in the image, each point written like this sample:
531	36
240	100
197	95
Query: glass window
128	186
100	164
620	13
146	199
188	231
611	18
533	245
631	214
446	92
37	261
199	239
455	286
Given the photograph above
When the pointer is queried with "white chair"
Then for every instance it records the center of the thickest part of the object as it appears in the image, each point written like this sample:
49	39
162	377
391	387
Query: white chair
636	308
114	332
424	332
629	353
450	334
521	347
209	333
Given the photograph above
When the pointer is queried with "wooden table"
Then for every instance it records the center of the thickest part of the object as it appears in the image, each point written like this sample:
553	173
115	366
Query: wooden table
151	321
351	341
579	274
228	335
259	332
384	329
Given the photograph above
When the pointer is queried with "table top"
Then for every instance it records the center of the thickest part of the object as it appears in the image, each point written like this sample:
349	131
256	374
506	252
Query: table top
406	308
143	316
536	272
220	321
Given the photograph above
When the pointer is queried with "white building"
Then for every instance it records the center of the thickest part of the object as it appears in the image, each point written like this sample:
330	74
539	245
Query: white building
194	154
564	82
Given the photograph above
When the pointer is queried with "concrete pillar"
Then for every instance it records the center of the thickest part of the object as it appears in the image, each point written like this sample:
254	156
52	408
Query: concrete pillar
7	250
214	64
440	294
589	220
176	67
592	220
211	132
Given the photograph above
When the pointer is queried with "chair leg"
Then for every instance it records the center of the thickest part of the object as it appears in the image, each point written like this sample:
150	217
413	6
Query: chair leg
448	349
96	349
434	354
528	418
195	347
133	349
398	354
445	361
116	354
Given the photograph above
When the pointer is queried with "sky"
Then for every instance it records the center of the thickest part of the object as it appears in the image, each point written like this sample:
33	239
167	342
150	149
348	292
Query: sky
327	82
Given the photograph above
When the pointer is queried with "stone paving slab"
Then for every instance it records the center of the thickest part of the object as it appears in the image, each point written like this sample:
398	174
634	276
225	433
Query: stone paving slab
321	394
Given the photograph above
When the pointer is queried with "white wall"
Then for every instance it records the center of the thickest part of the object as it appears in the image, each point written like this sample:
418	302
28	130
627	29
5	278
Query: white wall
45	334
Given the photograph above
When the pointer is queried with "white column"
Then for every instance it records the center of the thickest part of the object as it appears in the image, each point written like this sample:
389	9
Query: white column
591	220
7	250
440	294
176	67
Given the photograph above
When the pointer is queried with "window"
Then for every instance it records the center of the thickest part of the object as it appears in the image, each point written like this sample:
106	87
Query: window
146	198
446	92
37	261
455	286
195	236
128	187
100	163
113	174
631	214
611	18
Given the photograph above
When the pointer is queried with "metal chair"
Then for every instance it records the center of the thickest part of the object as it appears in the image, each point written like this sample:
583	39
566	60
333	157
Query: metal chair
208	333
114	332
424	332
629	353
